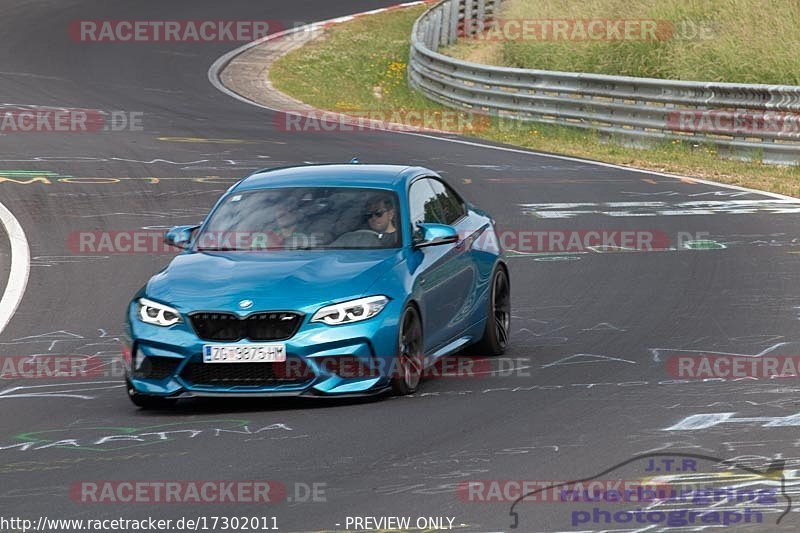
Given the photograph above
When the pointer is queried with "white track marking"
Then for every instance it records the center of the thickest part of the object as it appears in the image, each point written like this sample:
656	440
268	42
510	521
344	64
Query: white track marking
20	266
219	65
35	391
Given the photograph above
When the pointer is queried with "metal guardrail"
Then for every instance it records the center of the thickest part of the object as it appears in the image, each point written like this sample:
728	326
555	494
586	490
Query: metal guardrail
744	121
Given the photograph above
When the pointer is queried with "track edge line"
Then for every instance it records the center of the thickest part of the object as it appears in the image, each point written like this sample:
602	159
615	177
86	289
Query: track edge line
20	267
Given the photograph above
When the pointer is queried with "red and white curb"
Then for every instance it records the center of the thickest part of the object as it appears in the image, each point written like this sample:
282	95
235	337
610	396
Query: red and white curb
219	65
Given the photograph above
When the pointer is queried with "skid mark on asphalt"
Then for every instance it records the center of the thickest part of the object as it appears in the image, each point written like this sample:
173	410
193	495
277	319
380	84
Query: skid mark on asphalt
648	209
545	337
71	390
708	242
539	181
712	386
55	260
166	213
66	464
584	358
255	162
149	193
61	179
604	326
100	350
200	140
100	338
729	194
657	353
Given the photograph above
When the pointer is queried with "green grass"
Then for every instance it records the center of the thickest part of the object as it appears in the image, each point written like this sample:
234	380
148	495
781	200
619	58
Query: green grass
743	41
361	66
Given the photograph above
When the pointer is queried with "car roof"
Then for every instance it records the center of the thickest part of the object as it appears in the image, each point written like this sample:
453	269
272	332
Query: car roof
350	175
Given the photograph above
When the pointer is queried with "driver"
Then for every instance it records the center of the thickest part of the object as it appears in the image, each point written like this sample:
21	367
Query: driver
380	215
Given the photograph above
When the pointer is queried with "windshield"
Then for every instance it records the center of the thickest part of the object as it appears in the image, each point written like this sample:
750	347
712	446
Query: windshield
304	218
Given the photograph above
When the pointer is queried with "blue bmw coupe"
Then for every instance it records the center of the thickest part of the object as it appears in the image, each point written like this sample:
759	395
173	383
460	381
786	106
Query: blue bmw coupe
322	280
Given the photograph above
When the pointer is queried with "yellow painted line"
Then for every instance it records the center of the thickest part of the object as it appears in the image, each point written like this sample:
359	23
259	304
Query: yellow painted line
689	181
201	140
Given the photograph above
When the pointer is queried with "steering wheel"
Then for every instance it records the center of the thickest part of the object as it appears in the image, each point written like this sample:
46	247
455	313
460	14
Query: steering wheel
360	237
364	231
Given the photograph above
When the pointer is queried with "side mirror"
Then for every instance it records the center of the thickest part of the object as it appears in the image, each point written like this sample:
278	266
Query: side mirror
434	235
180	236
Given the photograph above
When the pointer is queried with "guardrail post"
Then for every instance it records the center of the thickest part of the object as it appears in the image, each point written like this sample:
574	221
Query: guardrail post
445	36
437	29
427	32
469	23
453	8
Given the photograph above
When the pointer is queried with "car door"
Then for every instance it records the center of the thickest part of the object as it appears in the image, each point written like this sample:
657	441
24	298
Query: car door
440	280
464	270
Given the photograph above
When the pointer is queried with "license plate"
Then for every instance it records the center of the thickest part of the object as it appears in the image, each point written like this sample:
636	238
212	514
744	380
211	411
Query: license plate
244	353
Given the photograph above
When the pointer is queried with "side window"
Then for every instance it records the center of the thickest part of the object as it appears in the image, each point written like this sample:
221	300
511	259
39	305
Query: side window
449	203
423	203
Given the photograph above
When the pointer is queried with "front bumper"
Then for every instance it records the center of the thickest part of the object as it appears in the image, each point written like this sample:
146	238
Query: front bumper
168	361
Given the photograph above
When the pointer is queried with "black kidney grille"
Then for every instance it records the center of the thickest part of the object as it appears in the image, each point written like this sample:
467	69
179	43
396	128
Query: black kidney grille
267	326
217	326
293	371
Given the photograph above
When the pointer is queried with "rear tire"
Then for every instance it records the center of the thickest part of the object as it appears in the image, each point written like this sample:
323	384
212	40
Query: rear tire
498	317
147	401
410	353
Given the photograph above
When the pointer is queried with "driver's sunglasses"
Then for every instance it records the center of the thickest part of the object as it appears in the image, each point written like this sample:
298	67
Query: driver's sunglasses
375	214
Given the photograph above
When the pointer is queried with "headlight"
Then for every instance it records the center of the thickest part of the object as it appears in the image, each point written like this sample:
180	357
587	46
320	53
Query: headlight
352	311
158	314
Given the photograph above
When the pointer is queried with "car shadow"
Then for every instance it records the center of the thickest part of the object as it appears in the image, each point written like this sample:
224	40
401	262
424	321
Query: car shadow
195	406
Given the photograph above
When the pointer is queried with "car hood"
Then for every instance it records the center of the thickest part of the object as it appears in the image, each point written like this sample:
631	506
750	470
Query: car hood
272	280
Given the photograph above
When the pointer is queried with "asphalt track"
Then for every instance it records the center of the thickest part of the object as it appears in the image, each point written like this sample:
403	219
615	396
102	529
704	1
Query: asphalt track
590	334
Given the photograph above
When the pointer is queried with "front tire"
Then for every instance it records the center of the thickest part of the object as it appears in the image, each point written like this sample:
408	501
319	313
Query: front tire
498	319
147	401
410	353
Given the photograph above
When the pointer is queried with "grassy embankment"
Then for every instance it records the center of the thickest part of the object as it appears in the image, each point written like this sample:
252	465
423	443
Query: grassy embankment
361	66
